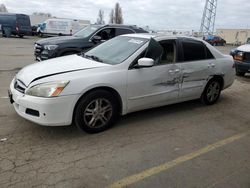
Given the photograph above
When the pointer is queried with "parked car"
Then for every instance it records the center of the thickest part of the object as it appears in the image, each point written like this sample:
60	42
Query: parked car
15	24
241	57
215	40
81	41
125	74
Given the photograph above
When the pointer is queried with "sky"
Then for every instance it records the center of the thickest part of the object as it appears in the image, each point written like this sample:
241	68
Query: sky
157	14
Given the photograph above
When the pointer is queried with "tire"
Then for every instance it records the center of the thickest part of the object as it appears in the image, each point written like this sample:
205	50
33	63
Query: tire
212	92
40	34
238	73
96	112
20	36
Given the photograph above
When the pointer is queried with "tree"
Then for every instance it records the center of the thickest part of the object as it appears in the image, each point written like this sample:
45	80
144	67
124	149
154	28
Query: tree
111	19
116	15
100	19
3	8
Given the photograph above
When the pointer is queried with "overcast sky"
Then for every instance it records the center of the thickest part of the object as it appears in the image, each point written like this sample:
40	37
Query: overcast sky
157	14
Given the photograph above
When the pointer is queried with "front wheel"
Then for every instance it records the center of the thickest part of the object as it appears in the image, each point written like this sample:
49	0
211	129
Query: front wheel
96	112
212	92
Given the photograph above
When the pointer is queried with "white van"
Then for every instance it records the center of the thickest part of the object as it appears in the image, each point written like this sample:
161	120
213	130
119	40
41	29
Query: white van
56	26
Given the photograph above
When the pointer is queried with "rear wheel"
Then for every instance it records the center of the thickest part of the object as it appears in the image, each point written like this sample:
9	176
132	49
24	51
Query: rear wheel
96	112
212	92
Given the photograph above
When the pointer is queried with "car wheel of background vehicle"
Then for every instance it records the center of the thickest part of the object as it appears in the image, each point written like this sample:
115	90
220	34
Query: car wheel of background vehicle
7	32
211	92
238	73
20	36
96	112
40	34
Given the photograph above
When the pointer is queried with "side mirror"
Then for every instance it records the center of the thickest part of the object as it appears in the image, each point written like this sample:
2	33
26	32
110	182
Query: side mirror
96	38
145	62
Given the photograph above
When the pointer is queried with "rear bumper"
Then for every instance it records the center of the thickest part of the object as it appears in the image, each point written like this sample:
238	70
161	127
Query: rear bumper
57	111
242	66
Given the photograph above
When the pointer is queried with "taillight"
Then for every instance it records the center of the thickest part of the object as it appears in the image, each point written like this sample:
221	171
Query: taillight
17	28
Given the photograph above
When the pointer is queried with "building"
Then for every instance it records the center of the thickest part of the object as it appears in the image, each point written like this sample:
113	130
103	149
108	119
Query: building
234	36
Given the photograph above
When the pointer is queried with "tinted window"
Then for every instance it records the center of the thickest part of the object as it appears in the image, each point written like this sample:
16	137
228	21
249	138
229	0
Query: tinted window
7	19
209	54
23	21
193	51
121	31
107	33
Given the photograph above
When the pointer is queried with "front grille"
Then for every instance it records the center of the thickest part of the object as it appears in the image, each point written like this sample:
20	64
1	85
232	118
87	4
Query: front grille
19	86
38	49
247	56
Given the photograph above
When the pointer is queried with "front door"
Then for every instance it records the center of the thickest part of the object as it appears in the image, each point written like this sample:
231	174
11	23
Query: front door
158	85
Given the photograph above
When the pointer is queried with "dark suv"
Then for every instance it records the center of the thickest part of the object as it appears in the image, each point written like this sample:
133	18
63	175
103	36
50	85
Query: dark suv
81	41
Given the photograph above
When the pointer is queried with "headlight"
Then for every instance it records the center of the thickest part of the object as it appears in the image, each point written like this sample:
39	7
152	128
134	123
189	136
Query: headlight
50	89
239	56
50	47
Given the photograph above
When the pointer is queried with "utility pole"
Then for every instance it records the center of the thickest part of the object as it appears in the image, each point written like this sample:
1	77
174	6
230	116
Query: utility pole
208	18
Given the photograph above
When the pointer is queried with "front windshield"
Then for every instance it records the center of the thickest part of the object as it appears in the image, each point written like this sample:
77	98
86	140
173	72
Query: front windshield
86	31
117	50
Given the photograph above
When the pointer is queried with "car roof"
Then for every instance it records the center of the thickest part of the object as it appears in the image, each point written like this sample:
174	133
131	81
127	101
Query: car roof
119	25
160	36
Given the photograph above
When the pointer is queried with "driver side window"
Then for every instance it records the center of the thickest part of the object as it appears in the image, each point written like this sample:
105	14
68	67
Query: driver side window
106	34
163	52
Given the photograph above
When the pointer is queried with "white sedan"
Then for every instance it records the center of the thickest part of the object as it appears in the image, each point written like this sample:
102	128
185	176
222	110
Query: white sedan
126	74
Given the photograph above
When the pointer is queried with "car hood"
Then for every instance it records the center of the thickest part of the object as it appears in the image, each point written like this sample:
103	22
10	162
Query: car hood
59	40
244	48
56	66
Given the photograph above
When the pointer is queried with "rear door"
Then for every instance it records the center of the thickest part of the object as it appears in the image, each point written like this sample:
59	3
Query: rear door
197	66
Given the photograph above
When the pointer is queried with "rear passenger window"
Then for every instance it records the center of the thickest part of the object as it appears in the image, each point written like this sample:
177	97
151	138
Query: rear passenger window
193	51
121	31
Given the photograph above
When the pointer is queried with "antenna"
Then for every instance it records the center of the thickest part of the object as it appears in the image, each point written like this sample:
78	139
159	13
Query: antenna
208	18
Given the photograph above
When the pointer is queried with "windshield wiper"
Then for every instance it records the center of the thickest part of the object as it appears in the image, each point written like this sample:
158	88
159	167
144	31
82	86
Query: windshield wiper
95	58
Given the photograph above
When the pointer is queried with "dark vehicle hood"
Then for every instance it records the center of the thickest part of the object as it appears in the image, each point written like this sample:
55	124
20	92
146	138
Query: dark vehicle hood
60	40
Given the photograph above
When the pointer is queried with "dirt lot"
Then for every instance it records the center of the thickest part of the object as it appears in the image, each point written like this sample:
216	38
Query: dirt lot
182	145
